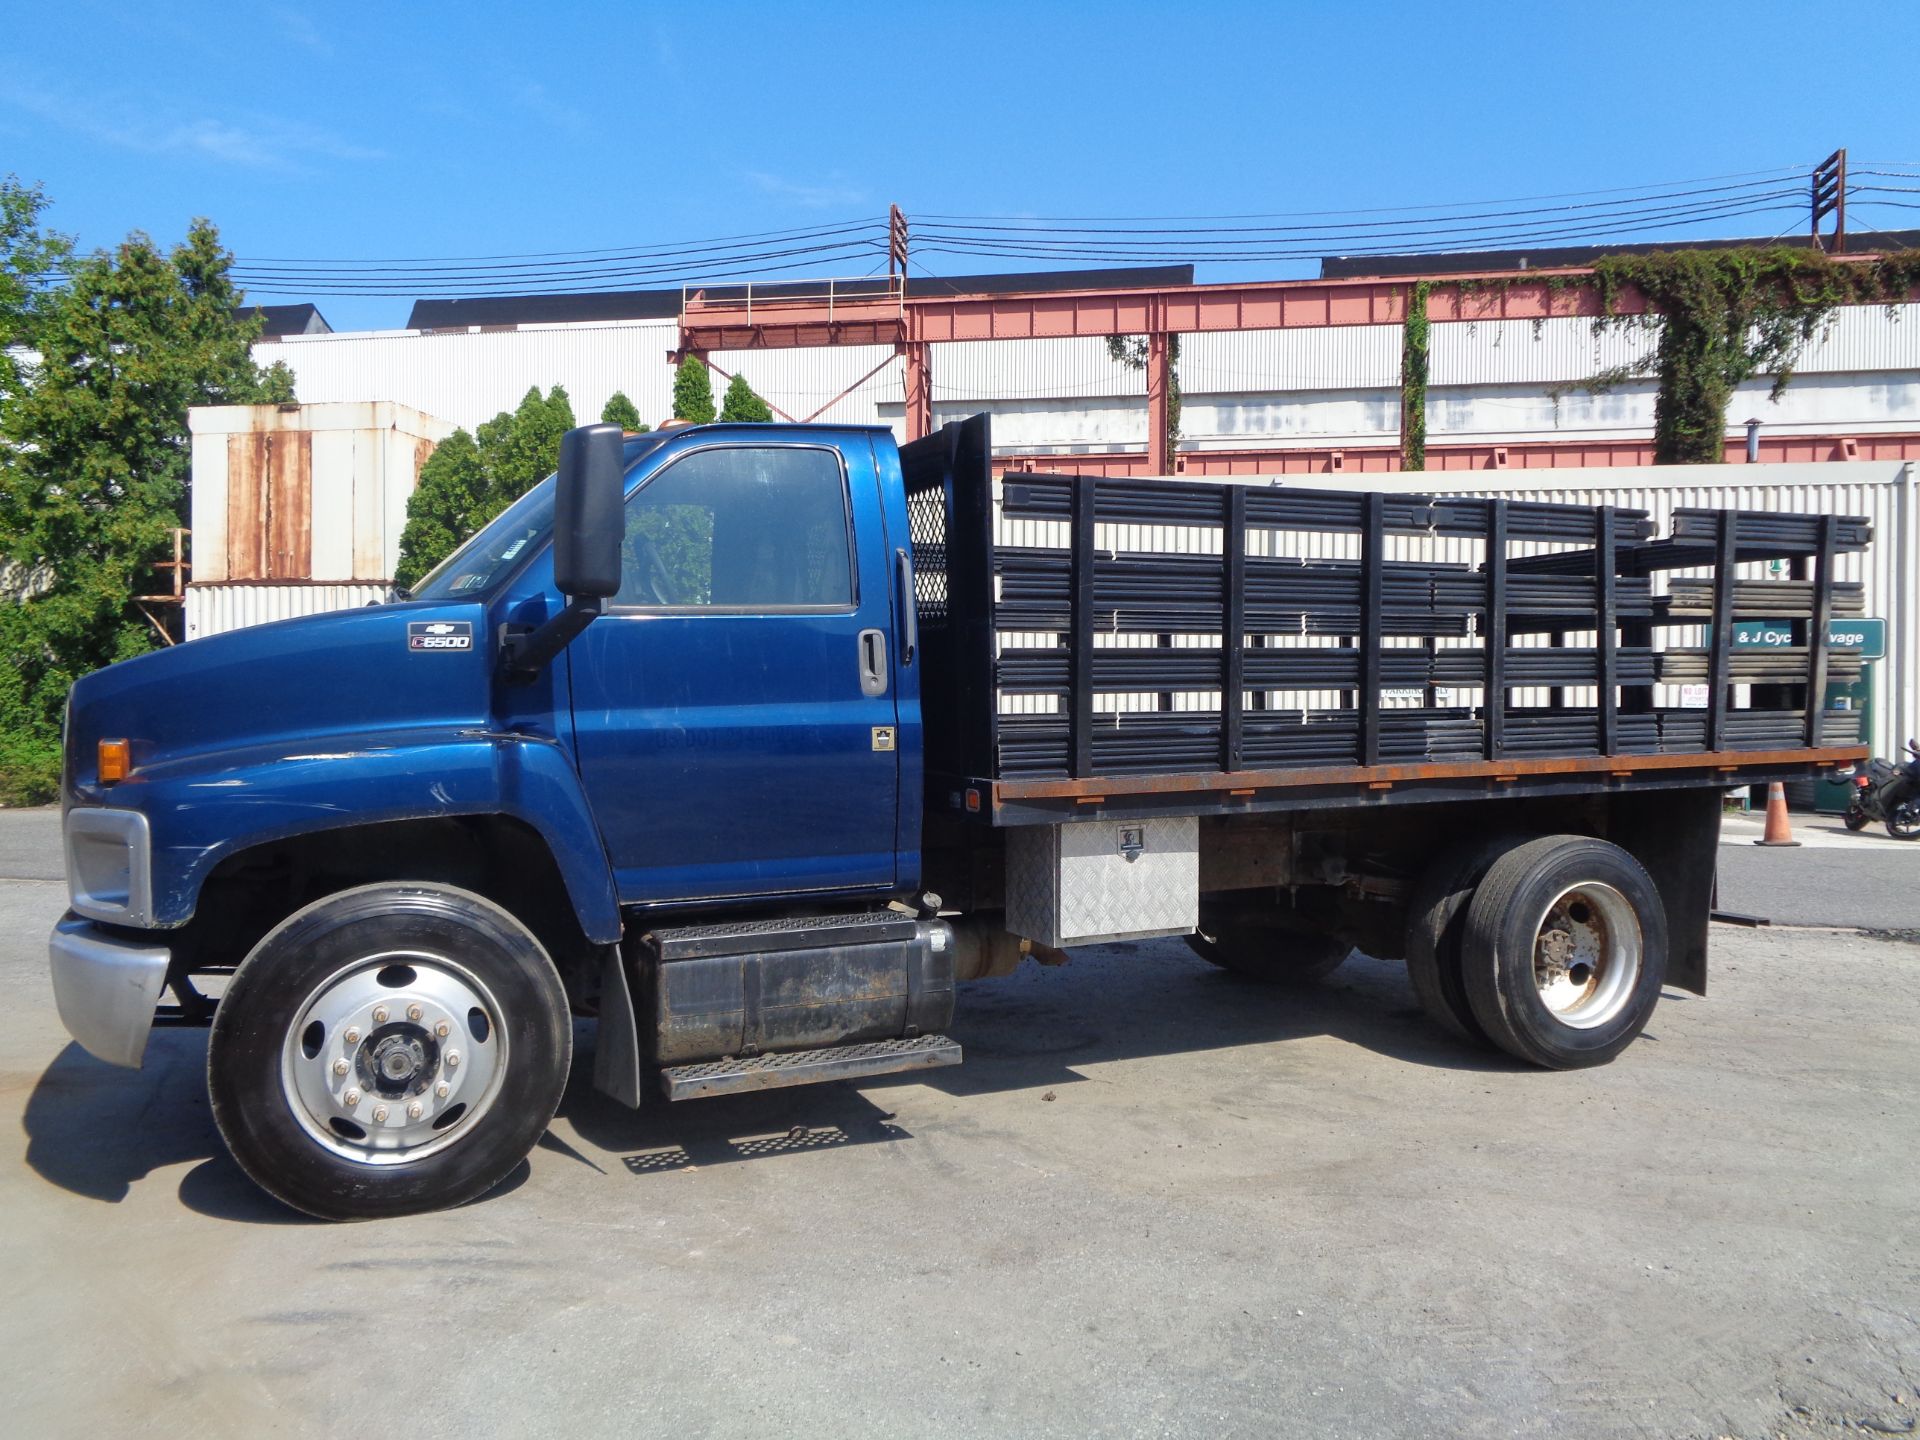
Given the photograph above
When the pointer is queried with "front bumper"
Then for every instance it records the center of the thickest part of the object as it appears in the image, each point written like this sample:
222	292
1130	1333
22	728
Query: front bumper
106	988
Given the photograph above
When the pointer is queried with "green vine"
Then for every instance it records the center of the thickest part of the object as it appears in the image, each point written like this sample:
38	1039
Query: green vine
1413	379
1131	351
1722	317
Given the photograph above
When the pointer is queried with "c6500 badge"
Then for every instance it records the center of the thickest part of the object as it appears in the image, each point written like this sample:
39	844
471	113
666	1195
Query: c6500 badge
439	635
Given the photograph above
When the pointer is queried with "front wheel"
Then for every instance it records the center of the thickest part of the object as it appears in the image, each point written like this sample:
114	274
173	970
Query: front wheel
1903	820
1565	951
389	1050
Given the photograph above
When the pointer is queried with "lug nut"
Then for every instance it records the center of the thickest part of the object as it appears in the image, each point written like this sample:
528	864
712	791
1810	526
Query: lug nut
441	1090
414	1012
443	1029
379	1114
352	1037
453	1059
352	1097
379	1014
340	1066
414	1110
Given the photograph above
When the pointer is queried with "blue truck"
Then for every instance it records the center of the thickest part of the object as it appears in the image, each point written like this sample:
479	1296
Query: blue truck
752	743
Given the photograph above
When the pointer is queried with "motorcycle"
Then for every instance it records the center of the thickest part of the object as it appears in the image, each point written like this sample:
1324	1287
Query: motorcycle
1889	793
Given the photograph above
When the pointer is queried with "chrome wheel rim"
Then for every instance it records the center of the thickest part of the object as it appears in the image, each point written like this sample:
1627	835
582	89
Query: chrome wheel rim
394	1057
1587	955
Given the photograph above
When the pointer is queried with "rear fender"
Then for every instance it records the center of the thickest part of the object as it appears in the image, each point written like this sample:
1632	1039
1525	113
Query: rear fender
206	808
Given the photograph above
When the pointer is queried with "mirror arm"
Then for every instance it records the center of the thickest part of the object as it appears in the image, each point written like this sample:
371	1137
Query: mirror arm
525	651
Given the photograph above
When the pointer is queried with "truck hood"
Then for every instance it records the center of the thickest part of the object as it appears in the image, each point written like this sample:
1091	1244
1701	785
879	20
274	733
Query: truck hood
313	679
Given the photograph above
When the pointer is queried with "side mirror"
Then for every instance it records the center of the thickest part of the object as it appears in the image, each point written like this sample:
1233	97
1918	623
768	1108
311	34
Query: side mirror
588	503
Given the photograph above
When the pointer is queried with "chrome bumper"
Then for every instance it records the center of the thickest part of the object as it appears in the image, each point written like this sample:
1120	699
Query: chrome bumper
106	989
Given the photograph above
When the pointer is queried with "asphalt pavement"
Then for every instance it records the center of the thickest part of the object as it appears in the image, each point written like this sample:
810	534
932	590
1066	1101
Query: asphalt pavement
1154	1201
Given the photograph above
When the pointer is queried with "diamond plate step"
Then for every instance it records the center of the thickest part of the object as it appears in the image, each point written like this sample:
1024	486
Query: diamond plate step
808	1067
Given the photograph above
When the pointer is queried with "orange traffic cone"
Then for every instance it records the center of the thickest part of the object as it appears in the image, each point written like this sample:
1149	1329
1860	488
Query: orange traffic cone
1779	832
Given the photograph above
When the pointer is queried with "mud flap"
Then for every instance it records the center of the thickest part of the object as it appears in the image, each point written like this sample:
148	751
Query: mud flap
1675	834
616	1049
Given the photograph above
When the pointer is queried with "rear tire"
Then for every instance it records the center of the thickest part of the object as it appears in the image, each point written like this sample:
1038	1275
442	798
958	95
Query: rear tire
389	1050
1565	951
1436	922
1267	953
1855	818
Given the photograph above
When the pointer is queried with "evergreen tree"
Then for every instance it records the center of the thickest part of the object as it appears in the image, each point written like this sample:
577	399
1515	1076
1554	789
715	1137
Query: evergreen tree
468	480
621	411
692	392
741	403
94	455
522	451
452	484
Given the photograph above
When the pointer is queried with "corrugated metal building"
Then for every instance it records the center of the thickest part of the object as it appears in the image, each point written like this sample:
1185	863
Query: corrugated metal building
1496	382
299	508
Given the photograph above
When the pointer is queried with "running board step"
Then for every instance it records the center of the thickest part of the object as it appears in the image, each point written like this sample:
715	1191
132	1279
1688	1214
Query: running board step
808	1067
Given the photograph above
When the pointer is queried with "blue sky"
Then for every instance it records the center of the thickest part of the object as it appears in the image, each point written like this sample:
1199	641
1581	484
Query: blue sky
409	130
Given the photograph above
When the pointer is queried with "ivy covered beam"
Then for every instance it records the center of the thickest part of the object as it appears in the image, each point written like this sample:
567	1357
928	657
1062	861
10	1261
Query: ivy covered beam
1414	338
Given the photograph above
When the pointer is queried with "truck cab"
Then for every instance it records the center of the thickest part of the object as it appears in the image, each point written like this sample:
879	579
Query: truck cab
736	731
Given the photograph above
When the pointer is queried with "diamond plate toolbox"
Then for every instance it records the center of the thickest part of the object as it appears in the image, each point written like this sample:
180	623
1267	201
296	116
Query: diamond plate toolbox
1094	880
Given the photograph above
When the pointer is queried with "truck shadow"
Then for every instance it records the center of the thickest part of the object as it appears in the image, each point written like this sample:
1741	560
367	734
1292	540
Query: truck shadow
96	1130
1034	1029
1036	1026
659	1138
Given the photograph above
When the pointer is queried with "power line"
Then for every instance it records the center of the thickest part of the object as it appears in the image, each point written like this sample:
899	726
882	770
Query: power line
1035	227
1797	171
1041	242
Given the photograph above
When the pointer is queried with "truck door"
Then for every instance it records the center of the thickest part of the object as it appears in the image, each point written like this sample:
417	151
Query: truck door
734	708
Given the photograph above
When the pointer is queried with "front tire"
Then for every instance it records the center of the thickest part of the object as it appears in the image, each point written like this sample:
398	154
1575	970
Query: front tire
1565	951
389	1050
1903	820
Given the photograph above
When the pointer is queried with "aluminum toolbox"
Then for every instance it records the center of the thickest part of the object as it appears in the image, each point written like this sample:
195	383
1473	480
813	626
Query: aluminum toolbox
1093	880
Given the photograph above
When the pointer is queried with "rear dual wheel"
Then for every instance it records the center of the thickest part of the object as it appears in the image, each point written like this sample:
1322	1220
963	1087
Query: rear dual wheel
1558	951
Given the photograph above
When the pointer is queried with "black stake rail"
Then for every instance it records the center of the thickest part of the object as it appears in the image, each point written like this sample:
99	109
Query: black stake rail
1283	629
1761	599
1608	634
1721	644
1373	559
1080	693
1039	496
1818	627
1495	699
1233	682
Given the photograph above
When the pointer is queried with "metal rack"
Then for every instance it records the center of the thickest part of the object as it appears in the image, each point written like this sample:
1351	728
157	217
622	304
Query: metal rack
1231	626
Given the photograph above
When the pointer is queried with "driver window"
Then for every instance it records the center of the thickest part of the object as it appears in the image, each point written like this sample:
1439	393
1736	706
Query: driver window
740	527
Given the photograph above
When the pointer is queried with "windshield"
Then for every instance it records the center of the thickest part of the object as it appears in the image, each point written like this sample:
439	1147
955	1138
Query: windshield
496	549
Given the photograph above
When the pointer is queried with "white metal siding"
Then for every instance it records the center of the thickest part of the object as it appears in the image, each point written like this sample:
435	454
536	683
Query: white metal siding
212	609
1518	352
802	382
1266	362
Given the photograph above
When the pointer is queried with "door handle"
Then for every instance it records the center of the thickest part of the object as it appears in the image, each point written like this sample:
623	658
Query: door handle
873	663
909	615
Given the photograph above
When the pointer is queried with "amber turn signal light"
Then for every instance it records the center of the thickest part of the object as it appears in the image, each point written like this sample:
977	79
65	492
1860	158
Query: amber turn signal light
113	761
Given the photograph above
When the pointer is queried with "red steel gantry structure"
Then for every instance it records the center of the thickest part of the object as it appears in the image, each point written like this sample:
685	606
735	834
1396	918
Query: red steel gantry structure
882	313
